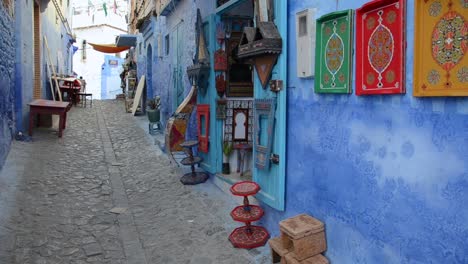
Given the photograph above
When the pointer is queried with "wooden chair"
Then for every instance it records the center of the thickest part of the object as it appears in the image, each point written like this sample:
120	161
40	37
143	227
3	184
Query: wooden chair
83	95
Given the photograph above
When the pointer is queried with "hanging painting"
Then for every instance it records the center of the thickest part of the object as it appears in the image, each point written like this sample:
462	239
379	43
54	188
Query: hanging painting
220	85
203	120
441	44
333	51
380	47
220	60
264	125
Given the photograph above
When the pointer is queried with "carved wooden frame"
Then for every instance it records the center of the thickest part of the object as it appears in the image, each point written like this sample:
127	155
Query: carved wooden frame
263	107
235	111
203	110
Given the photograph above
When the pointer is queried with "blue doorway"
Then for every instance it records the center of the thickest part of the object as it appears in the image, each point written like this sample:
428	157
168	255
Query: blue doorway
149	72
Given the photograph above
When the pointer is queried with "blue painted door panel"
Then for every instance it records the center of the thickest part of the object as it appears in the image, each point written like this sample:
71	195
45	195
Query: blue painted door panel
211	161
272	179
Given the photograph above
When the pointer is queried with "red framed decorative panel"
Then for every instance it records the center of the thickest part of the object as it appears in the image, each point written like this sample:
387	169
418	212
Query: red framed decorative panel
441	44
203	121
380	47
220	60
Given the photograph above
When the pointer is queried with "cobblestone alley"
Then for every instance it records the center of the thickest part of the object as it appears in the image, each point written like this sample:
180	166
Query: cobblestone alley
104	193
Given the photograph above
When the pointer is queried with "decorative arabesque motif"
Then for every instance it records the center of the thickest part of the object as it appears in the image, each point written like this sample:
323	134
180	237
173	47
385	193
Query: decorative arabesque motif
380	48
334	54
433	77
449	41
441	44
435	8
463	75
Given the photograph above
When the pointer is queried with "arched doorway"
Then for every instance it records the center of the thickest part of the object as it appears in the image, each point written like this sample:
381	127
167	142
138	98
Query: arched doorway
149	72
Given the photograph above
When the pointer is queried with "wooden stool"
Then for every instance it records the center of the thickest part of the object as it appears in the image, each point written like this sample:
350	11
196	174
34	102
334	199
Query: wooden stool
193	177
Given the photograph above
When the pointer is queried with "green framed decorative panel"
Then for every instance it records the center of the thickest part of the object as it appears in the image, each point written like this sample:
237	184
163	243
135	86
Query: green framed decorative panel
333	52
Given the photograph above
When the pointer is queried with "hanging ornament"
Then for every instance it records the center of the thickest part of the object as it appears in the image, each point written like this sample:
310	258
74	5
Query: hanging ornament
220	34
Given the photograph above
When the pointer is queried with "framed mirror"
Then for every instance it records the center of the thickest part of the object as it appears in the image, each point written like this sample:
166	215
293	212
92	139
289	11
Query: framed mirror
240	130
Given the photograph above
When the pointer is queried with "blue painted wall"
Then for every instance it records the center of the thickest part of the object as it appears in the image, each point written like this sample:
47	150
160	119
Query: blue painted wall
388	175
183	17
110	78
7	81
23	62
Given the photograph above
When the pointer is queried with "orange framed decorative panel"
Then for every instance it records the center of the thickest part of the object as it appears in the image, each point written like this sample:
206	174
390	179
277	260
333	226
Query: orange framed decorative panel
441	44
203	120
380	47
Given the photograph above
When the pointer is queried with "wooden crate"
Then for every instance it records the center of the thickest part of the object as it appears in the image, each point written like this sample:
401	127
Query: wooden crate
305	236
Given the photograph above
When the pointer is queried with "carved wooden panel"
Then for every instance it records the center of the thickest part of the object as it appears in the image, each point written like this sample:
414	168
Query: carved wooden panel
333	58
203	121
441	44
380	47
238	105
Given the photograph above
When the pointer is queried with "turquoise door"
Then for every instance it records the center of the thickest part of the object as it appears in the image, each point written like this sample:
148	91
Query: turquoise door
176	49
211	160
272	178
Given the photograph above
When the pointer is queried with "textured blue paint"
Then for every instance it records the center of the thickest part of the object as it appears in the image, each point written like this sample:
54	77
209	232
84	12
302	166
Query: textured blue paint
7	82
23	61
183	17
110	77
386	174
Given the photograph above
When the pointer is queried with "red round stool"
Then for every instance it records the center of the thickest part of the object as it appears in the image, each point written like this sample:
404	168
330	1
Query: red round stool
248	236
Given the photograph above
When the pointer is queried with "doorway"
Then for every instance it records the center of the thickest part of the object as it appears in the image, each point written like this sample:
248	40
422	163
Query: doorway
237	127
149	73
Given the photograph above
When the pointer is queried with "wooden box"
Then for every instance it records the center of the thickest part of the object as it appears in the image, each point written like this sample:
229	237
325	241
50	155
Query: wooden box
305	236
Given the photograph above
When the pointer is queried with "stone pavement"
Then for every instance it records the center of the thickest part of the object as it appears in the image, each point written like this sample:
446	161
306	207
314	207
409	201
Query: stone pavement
104	193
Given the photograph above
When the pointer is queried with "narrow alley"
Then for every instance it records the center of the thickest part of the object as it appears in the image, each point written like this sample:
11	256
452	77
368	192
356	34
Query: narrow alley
104	193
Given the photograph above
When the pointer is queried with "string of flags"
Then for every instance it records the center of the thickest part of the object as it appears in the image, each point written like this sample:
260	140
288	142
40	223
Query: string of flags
92	8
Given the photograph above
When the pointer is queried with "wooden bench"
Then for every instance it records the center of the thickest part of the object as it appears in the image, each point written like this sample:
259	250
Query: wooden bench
48	107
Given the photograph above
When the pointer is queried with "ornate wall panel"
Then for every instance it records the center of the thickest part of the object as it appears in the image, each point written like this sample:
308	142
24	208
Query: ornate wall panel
333	62
441	44
380	47
231	107
203	120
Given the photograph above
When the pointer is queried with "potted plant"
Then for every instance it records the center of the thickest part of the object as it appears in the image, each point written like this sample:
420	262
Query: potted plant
153	111
227	150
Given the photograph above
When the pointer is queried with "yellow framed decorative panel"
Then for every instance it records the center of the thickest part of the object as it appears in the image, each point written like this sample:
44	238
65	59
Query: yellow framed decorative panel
441	44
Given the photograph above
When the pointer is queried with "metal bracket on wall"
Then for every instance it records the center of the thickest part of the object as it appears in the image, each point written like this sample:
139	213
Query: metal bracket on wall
276	85
274	158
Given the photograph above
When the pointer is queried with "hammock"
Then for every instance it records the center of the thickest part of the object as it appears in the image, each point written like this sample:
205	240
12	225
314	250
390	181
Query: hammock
108	48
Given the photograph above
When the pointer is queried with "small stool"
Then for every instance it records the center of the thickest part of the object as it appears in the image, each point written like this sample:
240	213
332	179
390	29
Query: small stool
84	96
153	130
193	177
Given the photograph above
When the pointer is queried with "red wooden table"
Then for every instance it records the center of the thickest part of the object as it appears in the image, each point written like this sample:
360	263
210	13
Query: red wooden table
48	107
71	87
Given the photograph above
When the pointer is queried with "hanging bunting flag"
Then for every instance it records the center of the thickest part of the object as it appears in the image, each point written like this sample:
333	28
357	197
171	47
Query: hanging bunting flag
90	4
104	7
